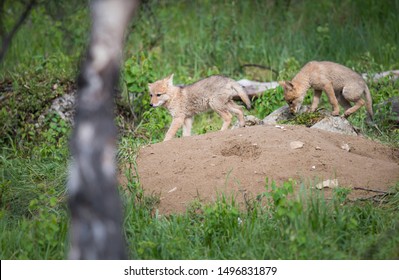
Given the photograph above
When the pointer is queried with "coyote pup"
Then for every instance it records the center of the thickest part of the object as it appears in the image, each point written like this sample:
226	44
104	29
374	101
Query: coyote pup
183	102
340	83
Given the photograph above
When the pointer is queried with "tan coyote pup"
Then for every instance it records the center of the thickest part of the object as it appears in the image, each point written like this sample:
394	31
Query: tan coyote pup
183	102
341	84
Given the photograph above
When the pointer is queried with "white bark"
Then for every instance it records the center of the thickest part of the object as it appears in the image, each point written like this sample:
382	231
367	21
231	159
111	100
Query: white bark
96	213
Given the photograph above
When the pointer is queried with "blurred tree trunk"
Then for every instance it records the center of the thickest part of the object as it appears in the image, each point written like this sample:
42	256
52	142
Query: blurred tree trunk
96	229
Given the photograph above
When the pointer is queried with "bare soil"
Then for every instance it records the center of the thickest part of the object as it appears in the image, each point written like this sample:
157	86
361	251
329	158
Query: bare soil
237	162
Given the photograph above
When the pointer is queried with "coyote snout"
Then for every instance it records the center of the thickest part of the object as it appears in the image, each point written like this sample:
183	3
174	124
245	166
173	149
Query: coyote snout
214	92
292	98
156	101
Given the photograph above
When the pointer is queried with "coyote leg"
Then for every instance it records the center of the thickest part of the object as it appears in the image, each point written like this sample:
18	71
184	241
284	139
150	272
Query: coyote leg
355	107
316	100
328	88
235	109
343	102
176	124
226	116
350	94
188	123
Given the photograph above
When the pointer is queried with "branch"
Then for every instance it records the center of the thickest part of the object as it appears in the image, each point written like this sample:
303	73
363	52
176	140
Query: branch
2	31
369	190
7	38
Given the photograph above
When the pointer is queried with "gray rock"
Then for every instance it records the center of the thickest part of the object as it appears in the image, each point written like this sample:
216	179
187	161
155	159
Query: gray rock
249	121
330	183
328	123
296	145
64	106
336	124
391	107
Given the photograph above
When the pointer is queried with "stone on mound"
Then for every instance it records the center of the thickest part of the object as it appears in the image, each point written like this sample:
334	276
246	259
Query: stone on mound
328	123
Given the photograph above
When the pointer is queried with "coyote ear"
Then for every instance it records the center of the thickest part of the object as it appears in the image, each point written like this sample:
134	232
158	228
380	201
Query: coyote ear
169	79
287	85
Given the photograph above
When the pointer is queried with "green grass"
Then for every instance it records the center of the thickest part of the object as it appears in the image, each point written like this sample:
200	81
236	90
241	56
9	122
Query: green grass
34	221
229	34
305	227
33	214
33	160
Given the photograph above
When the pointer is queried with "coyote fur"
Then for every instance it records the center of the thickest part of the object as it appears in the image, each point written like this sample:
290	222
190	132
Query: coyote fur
183	102
341	84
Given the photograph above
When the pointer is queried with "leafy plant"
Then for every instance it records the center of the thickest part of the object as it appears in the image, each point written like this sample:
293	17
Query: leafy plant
268	102
307	119
221	221
138	73
55	138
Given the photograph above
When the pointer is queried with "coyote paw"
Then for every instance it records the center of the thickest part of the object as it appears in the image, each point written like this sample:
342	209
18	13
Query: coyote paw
346	115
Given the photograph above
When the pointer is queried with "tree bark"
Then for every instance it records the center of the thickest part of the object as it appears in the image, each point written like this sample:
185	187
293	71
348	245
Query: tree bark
96	212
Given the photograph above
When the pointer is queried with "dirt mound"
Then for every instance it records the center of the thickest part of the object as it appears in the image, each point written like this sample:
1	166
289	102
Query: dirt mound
238	161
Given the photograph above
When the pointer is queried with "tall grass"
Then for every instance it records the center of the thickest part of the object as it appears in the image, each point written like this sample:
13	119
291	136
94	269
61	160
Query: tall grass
33	215
304	227
191	37
198	35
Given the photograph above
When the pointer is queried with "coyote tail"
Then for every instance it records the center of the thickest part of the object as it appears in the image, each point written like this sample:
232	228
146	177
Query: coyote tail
369	106
243	95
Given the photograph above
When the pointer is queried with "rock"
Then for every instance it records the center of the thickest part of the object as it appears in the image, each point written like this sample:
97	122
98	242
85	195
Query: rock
252	120
345	146
249	121
390	110
327	184
64	106
296	145
328	123
336	124
280	126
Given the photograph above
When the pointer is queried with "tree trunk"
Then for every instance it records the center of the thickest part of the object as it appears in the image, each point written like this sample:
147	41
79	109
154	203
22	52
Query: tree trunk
96	229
